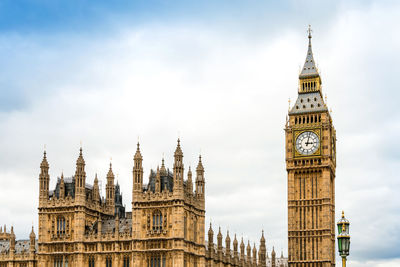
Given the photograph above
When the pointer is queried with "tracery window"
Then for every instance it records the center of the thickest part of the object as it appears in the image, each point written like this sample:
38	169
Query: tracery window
185	226
195	230
126	261
157	261
91	261
58	261
157	221
60	225
108	262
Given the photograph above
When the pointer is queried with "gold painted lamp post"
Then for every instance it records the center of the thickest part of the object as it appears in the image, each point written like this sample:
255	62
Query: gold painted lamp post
343	238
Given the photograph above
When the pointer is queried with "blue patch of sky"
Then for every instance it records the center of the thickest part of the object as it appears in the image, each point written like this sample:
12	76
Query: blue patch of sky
80	15
45	22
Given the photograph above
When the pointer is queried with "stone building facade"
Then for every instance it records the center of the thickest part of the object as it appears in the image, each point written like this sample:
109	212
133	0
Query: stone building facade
166	227
310	164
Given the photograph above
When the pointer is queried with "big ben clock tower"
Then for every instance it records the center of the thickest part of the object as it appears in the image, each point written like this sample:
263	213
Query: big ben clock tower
310	165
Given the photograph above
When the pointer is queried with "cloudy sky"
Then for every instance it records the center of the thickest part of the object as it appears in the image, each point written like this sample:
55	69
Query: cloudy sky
218	74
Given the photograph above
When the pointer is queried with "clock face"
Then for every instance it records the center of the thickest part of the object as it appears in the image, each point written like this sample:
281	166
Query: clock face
307	143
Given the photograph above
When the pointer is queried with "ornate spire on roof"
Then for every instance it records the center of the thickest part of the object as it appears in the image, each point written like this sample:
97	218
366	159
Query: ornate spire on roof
44	163
235	242
262	237
138	155
189	181
163	170
110	174
178	150
309	69
80	160
32	235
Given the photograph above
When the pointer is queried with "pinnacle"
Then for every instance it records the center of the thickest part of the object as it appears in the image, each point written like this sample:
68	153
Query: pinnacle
44	161
309	69
178	150
110	173
138	155
80	160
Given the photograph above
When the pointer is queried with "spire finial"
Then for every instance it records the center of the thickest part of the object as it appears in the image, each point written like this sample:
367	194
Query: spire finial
309	31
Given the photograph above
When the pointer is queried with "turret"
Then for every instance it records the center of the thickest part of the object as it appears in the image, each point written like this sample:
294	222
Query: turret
210	240
219	243
254	255
262	252
189	187
248	253
235	251
32	244
44	179
137	172
178	169
110	190
242	255
200	180
12	240
227	245
96	190
80	177
273	262
62	186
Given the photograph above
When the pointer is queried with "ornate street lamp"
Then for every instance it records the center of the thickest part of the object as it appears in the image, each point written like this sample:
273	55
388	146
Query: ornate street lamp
343	238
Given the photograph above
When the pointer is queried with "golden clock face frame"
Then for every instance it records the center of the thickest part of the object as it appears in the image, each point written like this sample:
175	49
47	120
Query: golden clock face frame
308	133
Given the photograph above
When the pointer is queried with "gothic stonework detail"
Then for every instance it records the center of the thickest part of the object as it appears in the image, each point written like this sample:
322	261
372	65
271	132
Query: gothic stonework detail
310	164
166	227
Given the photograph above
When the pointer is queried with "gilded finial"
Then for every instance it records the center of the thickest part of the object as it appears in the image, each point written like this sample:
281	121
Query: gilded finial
342	213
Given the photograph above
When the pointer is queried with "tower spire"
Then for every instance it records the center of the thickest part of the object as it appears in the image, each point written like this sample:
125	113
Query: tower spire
80	177
137	173
44	179
178	168
110	190
309	69
200	179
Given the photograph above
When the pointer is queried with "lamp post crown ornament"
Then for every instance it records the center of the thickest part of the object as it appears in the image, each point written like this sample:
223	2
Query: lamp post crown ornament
343	238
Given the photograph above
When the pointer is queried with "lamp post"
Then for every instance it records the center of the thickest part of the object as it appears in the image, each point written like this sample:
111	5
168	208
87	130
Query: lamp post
343	238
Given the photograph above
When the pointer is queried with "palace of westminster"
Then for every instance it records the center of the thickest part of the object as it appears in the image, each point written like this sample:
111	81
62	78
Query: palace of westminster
166	227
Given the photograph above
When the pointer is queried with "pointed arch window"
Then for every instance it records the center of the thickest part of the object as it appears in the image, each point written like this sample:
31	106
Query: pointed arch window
185	226
195	230
126	261
60	225
157	220
108	262
91	261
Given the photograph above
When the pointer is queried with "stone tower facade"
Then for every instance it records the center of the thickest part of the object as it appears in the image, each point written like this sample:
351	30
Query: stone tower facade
310	164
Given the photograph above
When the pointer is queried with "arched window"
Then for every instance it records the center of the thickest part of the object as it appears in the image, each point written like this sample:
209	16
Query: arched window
60	225
157	221
108	262
185	226
91	261
58	261
157	261
195	230
126	261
